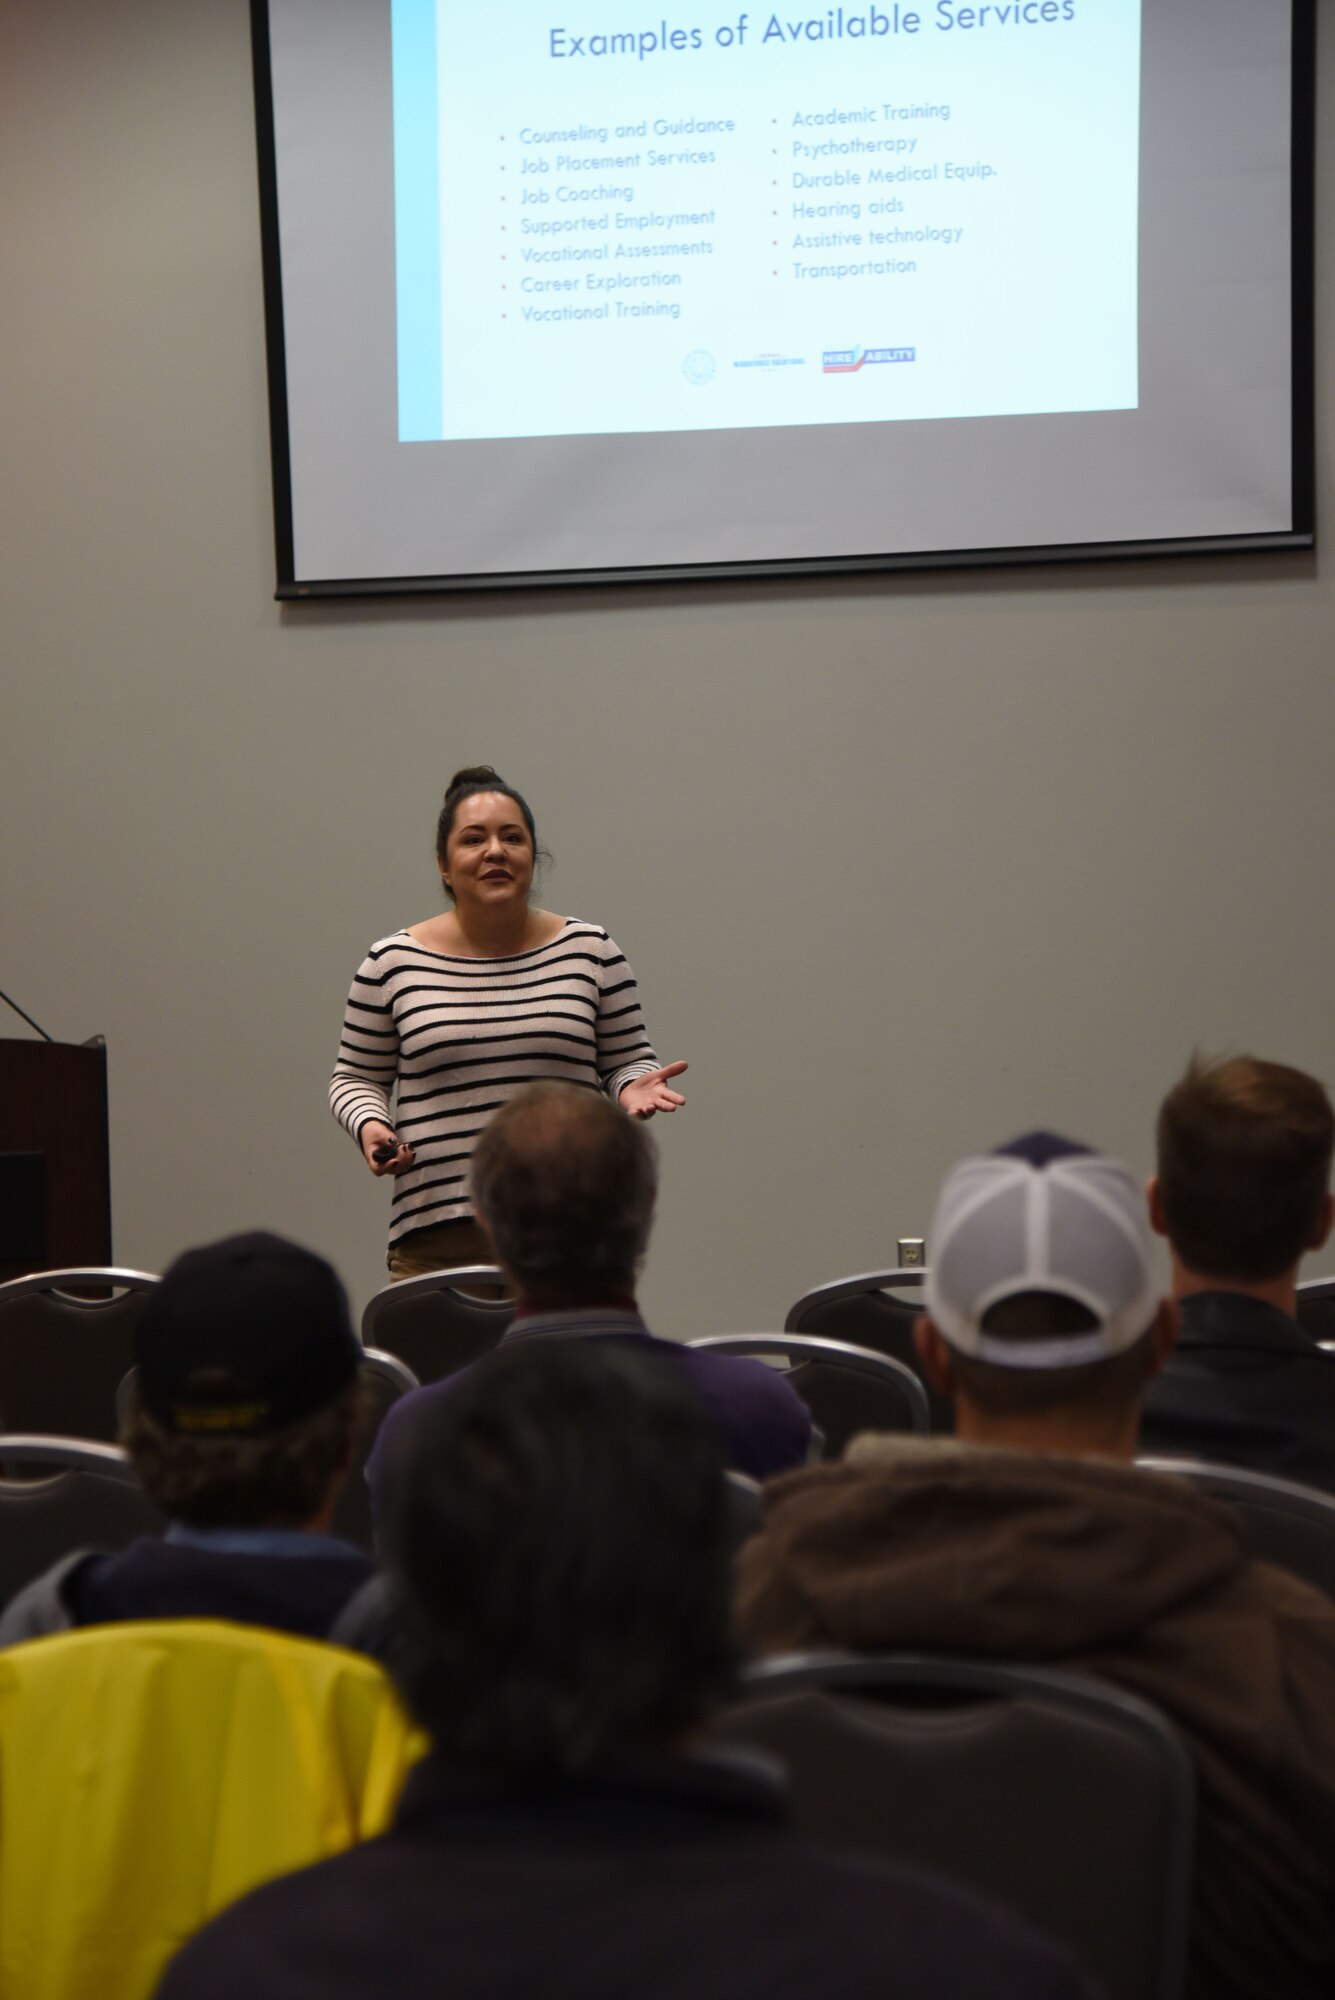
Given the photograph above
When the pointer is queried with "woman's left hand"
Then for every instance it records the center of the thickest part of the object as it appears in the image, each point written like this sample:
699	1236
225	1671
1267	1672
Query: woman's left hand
644	1095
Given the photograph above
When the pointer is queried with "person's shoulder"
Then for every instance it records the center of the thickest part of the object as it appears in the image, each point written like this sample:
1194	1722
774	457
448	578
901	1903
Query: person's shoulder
409	1407
578	930
387	953
399	1421
259	1943
401	942
766	1423
589	944
919	1932
1221	1322
47	1605
946	1937
1292	1605
752	1379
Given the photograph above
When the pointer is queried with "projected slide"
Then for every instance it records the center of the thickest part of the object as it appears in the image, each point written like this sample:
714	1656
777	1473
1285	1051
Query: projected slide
707	219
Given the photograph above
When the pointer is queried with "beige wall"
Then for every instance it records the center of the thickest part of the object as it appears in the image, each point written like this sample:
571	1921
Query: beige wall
902	865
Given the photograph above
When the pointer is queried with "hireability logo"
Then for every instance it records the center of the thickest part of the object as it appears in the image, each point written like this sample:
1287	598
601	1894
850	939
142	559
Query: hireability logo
849	360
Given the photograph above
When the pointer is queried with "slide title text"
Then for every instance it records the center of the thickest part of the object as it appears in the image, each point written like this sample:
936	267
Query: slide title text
834	25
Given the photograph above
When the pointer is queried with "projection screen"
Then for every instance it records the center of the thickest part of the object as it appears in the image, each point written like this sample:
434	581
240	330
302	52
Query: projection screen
562	292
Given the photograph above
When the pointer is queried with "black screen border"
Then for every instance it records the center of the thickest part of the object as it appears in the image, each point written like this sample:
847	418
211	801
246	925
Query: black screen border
1302	535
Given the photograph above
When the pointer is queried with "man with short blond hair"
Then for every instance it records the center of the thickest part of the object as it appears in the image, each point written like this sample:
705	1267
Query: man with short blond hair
1242	1194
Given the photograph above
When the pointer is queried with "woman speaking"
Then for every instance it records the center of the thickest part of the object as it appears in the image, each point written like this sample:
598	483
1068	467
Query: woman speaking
459	1011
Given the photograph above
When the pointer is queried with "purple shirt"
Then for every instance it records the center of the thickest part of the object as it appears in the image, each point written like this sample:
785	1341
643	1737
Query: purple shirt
765	1425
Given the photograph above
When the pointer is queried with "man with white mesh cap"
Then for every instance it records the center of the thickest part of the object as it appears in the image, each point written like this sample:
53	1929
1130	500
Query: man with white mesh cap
1031	1536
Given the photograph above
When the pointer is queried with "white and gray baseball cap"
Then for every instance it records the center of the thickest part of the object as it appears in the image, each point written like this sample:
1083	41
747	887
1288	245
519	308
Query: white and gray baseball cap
1041	1214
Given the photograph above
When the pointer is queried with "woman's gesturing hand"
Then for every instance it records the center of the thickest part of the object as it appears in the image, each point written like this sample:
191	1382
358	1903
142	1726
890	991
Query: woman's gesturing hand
644	1095
375	1133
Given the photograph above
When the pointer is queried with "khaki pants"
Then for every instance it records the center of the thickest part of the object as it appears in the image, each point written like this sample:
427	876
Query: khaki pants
446	1247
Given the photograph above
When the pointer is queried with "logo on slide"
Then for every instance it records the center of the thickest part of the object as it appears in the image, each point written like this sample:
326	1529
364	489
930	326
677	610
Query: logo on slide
848	360
772	361
699	366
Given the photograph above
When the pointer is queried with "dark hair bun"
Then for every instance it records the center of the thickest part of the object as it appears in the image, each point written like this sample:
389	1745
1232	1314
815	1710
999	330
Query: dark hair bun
477	774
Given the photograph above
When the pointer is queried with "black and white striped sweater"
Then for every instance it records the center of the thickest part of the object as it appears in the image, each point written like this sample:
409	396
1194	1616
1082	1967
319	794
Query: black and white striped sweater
456	1037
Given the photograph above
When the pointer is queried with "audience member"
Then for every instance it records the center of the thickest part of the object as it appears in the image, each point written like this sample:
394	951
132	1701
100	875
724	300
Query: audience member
1032	1536
1242	1194
563	1185
242	1423
558	1547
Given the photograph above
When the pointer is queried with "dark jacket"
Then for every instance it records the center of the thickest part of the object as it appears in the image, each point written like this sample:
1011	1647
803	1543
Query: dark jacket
316	1596
673	1879
1247	1386
1096	1567
765	1425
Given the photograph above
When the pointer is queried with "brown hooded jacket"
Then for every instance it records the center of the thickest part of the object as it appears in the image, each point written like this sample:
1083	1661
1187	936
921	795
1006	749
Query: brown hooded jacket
1096	1567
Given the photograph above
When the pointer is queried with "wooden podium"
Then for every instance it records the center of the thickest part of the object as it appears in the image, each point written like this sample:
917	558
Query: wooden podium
55	1180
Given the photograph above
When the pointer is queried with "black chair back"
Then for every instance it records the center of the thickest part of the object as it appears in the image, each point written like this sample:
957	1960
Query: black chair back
847	1389
876	1309
434	1325
72	1494
1316	1309
66	1341
384	1380
1061	1797
1286	1524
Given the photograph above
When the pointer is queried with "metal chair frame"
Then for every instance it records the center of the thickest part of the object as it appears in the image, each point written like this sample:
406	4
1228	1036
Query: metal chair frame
60	1288
1317	1291
487	1315
62	1494
1239	1485
66	1454
889	1322
814	1347
352	1508
439	1281
110	1277
380	1362
905	1277
1309	1501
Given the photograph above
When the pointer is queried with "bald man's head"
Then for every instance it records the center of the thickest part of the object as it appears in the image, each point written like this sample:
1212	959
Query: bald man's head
564	1183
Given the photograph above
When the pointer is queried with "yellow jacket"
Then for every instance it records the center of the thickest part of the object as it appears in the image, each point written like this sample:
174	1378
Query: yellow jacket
151	1773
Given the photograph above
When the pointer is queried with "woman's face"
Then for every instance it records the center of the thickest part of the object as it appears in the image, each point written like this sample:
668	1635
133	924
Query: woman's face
488	856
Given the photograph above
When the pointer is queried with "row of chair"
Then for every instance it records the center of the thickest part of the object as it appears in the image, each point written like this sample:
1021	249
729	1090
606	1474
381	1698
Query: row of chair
71	1333
421	1319
66	1367
67	1344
